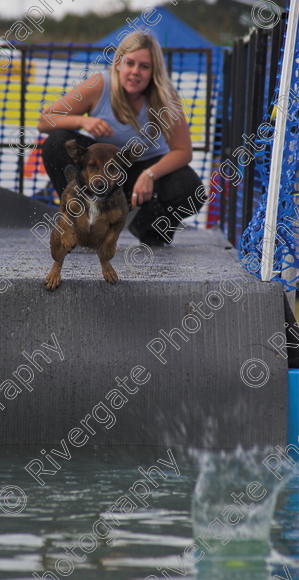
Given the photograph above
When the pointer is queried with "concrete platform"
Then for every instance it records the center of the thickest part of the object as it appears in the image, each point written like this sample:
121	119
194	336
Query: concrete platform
192	393
19	211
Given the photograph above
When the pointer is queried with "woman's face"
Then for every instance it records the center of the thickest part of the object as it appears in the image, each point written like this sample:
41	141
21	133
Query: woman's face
135	71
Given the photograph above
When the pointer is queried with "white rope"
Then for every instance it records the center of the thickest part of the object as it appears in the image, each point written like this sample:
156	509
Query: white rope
278	144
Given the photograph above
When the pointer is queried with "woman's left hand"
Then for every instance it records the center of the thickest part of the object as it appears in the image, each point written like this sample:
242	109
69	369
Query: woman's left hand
142	190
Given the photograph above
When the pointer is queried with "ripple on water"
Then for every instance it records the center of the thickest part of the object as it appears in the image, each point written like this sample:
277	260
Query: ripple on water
150	540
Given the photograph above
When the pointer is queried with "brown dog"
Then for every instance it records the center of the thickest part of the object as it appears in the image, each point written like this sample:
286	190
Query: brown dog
87	218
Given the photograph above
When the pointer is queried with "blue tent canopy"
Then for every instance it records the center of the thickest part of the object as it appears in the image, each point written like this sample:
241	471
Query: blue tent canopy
170	31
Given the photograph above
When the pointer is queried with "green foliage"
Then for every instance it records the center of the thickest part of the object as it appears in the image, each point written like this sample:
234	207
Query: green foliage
220	22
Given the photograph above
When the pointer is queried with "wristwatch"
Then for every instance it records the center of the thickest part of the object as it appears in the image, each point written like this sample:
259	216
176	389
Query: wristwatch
150	173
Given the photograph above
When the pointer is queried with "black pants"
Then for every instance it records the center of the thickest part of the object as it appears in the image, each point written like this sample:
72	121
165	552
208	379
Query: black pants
172	190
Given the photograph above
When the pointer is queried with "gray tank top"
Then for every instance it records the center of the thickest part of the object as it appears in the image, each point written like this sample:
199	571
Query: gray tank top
124	134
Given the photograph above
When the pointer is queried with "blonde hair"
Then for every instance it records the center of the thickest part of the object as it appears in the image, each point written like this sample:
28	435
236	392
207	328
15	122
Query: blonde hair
159	91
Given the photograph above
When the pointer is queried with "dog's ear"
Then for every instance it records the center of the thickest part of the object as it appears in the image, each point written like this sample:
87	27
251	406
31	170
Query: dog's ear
75	151
70	172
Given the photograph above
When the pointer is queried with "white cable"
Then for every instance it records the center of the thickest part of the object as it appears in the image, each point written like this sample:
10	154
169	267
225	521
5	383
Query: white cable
278	145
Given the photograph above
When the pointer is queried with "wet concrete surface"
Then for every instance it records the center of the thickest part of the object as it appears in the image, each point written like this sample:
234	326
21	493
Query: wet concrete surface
195	255
196	397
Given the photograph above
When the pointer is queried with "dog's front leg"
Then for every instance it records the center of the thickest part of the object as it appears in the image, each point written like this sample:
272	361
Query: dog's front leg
107	251
61	244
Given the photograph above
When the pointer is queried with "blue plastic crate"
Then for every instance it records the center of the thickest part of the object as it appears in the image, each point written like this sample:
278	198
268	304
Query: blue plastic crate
293	422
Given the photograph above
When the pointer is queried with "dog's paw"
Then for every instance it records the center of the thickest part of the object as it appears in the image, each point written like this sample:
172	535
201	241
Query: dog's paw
110	275
52	281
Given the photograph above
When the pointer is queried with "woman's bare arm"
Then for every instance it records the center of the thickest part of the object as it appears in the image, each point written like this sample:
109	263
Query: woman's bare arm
180	154
68	111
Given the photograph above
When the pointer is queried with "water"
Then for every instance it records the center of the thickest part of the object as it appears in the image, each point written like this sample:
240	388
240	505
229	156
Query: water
239	492
149	541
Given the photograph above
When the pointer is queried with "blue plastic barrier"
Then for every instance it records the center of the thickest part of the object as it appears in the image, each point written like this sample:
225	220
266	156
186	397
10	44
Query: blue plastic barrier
293	423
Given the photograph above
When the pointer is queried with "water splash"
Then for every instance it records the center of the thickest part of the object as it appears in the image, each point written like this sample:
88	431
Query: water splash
234	499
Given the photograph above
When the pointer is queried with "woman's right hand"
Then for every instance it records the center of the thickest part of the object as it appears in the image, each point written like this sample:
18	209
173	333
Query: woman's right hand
97	127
